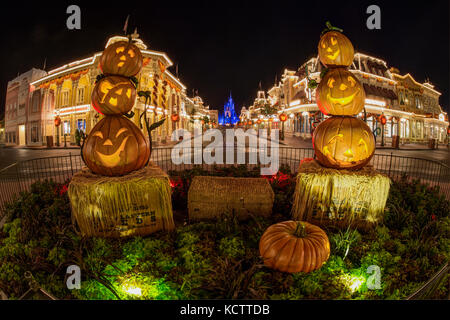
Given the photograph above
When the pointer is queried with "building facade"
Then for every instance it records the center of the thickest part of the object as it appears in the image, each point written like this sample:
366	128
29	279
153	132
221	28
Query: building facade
21	121
411	109
65	92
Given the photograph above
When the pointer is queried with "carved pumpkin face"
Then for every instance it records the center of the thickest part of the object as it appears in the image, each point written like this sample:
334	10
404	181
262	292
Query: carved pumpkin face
335	50
340	93
121	58
113	95
115	146
343	143
175	117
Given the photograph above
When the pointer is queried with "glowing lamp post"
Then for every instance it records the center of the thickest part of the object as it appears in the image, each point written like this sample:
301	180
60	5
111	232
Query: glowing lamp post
383	123
57	124
175	118
283	117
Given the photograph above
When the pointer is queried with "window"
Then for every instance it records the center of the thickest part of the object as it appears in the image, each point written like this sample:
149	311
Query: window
401	98
81	124
34	131
65	98
35	103
66	127
80	95
418	102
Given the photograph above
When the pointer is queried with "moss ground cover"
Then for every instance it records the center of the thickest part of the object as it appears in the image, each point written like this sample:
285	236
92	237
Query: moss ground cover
220	259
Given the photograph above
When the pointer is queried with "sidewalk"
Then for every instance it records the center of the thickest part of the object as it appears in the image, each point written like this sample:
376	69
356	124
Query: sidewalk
61	147
299	142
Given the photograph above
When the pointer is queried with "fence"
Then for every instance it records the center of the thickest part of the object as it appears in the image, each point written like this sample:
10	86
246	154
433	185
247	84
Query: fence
21	175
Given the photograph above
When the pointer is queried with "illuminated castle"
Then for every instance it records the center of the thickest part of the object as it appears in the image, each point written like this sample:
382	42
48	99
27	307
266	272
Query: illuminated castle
228	116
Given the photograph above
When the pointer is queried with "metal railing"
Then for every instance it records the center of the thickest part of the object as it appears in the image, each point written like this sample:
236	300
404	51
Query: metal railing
21	175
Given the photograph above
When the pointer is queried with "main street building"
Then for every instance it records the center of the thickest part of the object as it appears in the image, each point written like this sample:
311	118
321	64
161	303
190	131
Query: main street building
411	108
34	99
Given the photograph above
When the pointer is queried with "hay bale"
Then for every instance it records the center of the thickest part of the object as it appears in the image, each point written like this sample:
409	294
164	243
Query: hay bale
212	197
339	197
135	204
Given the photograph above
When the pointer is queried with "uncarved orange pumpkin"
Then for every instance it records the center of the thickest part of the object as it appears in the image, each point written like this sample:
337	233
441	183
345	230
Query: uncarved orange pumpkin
115	146
121	58
343	143
335	50
340	93
294	246
113	95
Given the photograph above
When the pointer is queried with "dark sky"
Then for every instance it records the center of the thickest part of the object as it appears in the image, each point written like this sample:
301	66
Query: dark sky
223	46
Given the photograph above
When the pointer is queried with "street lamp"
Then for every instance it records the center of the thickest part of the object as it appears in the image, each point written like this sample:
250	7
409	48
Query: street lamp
57	124
283	117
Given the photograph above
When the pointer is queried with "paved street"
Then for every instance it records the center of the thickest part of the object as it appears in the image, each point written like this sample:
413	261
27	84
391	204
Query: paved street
11	155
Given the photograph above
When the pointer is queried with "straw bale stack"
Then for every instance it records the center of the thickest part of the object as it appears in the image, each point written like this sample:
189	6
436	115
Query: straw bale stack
136	204
327	196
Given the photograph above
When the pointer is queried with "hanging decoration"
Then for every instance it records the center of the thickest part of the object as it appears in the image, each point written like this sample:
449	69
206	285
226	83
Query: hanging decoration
175	117
57	121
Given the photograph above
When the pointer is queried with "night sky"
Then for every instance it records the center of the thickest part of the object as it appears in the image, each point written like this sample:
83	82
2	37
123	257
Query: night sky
223	46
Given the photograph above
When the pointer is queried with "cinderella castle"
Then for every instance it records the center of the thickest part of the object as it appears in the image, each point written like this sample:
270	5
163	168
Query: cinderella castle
228	117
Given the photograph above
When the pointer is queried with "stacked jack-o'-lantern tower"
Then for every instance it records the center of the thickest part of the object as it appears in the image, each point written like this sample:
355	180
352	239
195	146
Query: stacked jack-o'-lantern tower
340	187
118	194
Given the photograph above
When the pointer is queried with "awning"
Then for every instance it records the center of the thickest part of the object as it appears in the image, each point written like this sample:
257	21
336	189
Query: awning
380	92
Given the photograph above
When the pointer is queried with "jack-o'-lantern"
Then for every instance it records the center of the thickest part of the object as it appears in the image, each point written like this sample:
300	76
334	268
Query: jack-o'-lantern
175	117
113	95
283	117
335	50
121	58
340	93
115	146
343	143
57	121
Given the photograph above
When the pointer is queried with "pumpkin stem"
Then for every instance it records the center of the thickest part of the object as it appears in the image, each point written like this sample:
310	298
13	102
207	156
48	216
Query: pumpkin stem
330	28
300	230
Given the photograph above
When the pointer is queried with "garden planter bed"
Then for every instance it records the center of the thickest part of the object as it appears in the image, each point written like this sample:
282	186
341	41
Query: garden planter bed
220	259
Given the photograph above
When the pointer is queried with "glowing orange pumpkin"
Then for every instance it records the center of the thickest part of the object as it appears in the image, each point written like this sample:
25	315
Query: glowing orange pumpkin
57	121
335	50
121	58
114	95
283	117
115	146
294	246
340	93
175	117
343	143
